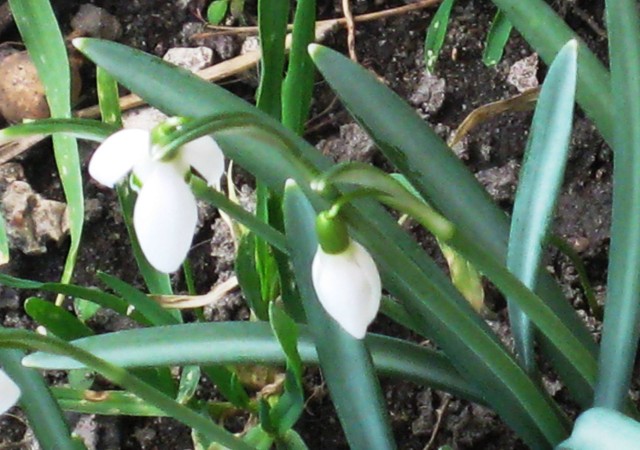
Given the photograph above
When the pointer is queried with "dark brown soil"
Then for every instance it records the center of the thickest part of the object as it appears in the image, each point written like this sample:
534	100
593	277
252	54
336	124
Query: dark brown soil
391	48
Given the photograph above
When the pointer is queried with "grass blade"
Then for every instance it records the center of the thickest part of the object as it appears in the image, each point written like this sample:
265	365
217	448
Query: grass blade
297	88
273	16
622	311
496	39
540	181
39	30
56	319
436	33
361	406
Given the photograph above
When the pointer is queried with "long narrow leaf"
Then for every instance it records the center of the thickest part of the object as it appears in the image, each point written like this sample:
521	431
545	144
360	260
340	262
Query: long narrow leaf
436	33
496	39
360	404
297	88
273	17
622	311
539	186
251	342
39	30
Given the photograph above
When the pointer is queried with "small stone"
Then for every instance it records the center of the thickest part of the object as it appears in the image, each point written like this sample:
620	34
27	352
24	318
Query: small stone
523	74
352	145
250	44
31	220
501	181
192	59
144	118
87	430
9	173
429	94
93	21
225	45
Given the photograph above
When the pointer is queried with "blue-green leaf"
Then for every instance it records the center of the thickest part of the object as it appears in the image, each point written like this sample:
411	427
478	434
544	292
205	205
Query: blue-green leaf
540	182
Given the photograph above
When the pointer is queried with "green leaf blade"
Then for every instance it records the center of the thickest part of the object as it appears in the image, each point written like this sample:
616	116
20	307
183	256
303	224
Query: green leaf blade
496	39
436	33
622	311
56	320
39	29
540	182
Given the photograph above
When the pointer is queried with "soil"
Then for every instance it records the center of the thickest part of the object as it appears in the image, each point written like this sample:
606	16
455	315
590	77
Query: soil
391	48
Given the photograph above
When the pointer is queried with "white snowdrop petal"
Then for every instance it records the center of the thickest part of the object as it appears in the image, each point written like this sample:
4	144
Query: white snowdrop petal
165	218
204	155
348	287
117	155
9	392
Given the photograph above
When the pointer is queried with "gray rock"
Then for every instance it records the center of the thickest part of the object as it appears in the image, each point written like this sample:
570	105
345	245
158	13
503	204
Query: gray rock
523	75
189	58
501	181
91	20
32	220
429	94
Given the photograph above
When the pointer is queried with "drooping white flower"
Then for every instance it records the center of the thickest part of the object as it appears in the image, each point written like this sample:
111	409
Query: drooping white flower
9	392
165	213
348	287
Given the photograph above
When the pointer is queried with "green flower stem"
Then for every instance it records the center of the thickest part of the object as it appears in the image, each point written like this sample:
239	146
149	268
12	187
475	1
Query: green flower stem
30	341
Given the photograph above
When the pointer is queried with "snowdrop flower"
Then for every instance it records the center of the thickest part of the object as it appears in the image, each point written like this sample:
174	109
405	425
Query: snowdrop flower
9	392
165	213
345	277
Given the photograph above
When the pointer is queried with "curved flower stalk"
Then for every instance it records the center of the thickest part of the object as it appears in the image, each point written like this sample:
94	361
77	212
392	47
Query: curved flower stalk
345	277
9	392
165	213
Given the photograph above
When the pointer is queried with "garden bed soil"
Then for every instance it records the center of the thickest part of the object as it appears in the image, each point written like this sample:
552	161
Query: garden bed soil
392	49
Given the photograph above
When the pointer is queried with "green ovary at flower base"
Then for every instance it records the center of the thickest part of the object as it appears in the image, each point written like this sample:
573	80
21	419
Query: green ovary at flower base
345	277
165	213
9	392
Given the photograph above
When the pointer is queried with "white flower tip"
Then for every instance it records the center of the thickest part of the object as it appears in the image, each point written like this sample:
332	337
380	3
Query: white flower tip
165	218
9	392
349	288
117	155
205	155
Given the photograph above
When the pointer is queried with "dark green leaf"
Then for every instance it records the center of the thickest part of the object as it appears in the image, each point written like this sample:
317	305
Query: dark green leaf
248	276
56	319
496	39
436	33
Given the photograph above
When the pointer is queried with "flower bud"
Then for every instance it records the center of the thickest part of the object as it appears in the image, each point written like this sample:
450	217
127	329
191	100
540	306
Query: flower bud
347	284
